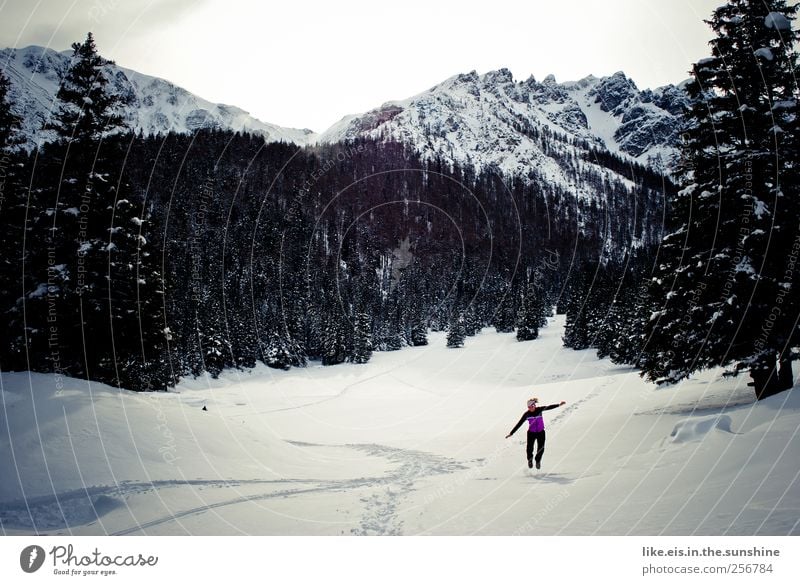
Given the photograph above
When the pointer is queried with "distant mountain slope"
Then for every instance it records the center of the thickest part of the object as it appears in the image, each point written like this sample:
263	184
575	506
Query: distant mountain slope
152	105
492	120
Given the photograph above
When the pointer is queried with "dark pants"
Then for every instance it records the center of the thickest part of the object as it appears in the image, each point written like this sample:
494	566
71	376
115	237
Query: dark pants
533	437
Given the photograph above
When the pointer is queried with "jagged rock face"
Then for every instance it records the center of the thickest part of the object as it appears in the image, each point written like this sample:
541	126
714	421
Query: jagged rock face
150	104
612	92
491	120
647	118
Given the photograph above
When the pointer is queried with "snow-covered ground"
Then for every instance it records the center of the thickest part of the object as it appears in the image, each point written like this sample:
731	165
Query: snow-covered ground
411	443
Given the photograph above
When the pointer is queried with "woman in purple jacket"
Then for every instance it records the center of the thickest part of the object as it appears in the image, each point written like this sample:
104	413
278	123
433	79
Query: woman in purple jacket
535	429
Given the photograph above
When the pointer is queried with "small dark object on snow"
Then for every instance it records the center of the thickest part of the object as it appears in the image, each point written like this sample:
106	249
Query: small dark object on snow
204	408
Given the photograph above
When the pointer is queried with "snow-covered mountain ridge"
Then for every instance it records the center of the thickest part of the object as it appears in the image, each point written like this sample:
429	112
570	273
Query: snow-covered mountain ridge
490	119
528	128
152	105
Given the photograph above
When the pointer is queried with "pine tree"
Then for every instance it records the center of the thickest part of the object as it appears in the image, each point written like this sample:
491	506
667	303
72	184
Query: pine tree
632	313
362	338
107	240
456	332
72	216
294	297
577	308
623	338
472	324
611	296
389	334
419	334
726	292
136	300
9	121
88	111
504	315
334	340
12	217
531	315
276	353
214	347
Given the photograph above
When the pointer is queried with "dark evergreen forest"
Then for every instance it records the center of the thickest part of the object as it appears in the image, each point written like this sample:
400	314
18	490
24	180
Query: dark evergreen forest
139	260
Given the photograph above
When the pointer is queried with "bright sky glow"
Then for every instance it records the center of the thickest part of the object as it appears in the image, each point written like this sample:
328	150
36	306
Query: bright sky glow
307	64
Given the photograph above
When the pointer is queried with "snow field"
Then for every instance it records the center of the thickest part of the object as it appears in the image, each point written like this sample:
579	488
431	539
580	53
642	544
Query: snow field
410	443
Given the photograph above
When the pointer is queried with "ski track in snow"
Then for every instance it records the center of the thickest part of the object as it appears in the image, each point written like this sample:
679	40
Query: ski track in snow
380	509
379	515
570	407
89	504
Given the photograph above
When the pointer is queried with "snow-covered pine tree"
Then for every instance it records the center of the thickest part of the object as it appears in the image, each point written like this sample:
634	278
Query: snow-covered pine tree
472	324
12	215
596	307
136	300
362	338
388	335
726	291
505	315
389	332
417	303
86	113
455	332
607	336
295	305
618	293
633	313
419	334
628	314
276	353
9	121
576	308
334	340
87	110
71	213
542	306
530	315
106	242
215	350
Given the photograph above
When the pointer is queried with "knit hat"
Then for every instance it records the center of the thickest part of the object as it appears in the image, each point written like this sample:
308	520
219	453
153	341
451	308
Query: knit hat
532	402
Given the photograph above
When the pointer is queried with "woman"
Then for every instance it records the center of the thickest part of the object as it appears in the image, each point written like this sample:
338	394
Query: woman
535	429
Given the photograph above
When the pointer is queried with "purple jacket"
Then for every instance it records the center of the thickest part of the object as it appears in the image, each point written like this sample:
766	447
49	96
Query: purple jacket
534	418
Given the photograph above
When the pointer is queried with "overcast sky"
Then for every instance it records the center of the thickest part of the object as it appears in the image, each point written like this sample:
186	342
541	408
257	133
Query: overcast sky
304	63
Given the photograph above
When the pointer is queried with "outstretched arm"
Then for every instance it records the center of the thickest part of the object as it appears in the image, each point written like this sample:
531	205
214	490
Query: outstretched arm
519	424
552	406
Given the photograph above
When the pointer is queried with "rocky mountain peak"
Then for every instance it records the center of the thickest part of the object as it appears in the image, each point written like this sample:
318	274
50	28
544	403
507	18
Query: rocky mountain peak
151	105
